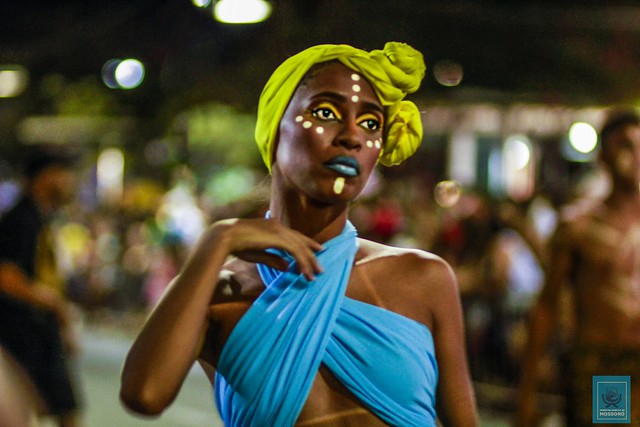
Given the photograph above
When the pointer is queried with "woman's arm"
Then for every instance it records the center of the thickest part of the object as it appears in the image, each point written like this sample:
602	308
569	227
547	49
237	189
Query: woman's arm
456	399
172	336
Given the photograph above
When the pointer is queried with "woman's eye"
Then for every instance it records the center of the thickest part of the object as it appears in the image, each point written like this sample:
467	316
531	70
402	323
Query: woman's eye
370	124
324	113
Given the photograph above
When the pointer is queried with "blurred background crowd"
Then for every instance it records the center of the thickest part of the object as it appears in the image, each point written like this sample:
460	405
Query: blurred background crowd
120	246
158	101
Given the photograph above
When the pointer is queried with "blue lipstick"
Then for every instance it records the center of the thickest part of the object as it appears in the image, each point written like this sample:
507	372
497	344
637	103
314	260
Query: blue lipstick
344	165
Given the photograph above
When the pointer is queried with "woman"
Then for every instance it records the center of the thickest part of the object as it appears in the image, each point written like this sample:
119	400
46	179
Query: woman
295	319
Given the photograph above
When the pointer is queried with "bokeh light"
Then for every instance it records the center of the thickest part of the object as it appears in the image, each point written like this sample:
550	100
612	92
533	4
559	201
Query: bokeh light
583	137
447	193
179	215
241	11
517	151
110	173
201	3
123	74
230	185
109	73
13	80
129	73
448	73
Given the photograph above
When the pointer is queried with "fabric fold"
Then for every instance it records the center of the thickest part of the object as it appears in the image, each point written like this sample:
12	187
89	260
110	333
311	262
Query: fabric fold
271	358
387	361
269	362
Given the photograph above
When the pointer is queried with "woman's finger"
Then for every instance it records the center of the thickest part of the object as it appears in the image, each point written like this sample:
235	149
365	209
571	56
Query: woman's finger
266	258
304	250
253	237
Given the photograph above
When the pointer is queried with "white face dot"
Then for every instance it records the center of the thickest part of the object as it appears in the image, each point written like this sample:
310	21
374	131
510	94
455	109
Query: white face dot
299	119
378	145
355	77
355	98
369	144
320	130
306	124
356	88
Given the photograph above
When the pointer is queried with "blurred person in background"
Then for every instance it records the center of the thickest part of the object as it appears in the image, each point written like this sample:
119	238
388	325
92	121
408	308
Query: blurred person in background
596	252
295	319
36	319
476	242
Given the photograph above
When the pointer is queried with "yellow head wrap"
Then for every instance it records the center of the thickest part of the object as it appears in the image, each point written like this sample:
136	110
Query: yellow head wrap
393	72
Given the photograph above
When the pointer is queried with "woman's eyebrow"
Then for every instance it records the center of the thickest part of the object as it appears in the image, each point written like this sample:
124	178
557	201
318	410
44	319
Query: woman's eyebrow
373	106
332	95
343	99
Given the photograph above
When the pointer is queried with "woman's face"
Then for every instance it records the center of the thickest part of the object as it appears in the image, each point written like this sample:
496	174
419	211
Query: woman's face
330	135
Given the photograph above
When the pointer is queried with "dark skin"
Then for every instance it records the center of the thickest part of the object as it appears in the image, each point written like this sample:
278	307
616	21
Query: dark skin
596	253
207	299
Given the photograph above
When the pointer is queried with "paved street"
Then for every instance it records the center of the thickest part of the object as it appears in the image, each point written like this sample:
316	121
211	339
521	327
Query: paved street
103	354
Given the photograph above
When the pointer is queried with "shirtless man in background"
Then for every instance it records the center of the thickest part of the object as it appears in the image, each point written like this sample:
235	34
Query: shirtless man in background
597	253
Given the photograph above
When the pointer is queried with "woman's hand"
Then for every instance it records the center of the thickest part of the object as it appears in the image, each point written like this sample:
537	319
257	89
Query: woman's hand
173	335
248	239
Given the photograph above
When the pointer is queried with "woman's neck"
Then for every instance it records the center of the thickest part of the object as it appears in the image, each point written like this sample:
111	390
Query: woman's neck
321	222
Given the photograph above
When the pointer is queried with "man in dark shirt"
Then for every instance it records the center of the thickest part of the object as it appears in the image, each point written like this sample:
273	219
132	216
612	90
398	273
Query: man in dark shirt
35	317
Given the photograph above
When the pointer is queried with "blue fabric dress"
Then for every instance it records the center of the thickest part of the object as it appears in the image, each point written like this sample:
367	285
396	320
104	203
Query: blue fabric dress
272	356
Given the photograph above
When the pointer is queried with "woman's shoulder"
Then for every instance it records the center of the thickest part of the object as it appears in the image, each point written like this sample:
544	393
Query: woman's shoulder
413	282
369	249
422	264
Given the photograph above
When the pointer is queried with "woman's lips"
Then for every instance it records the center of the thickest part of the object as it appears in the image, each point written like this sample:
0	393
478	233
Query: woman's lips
344	165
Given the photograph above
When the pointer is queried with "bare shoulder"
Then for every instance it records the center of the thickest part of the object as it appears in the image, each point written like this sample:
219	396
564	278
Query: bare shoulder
412	282
370	250
416	266
576	224
238	281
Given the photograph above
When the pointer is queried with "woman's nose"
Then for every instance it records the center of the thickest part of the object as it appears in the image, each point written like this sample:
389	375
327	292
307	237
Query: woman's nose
349	138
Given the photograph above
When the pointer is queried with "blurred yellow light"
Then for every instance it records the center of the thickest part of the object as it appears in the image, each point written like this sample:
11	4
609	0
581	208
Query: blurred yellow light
110	172
241	11
13	81
583	137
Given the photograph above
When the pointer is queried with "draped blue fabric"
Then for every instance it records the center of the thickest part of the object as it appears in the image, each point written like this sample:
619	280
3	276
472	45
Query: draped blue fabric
272	356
